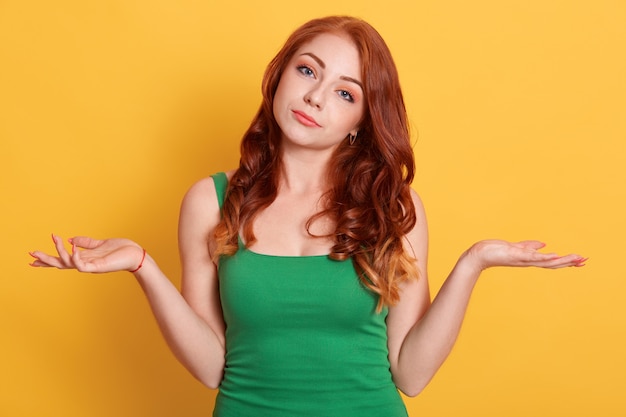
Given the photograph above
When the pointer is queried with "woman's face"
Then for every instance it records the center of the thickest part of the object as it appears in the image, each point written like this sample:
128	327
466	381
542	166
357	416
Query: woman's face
319	99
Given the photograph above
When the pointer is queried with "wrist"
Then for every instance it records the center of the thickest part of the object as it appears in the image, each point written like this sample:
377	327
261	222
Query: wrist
472	261
141	261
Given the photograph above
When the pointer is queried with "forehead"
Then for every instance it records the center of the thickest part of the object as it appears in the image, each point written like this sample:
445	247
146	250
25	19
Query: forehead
334	50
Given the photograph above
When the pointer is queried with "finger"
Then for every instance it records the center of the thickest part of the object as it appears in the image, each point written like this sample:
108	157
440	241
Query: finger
65	257
85	242
44	260
533	258
566	261
37	262
77	260
581	262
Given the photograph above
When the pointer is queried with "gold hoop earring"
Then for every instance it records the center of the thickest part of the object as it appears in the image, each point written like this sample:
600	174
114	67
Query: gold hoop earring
352	138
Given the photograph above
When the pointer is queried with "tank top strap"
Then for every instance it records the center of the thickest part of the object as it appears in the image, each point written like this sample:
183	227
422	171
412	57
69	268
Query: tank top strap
221	184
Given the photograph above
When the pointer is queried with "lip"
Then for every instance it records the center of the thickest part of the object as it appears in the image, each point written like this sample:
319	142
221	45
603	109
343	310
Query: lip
305	119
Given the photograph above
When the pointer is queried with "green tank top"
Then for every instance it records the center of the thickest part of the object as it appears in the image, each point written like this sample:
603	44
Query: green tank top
302	339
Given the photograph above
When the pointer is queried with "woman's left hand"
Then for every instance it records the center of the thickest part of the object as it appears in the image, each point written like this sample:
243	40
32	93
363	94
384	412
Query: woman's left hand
489	253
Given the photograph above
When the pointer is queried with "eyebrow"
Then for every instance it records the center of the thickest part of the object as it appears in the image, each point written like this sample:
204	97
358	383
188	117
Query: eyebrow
323	65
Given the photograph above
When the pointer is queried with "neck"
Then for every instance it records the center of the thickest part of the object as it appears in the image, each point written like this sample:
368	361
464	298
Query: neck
302	175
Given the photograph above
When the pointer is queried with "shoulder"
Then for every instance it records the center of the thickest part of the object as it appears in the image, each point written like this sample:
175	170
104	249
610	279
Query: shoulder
417	203
200	208
203	195
200	198
419	234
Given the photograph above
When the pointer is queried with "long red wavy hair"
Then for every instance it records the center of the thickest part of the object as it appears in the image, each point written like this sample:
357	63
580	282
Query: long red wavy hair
369	182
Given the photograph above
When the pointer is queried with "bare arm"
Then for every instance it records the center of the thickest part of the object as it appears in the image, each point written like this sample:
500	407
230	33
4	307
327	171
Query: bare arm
191	323
421	335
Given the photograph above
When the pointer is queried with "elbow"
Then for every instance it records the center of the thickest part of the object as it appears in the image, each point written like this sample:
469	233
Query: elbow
211	377
211	384
412	387
411	391
210	381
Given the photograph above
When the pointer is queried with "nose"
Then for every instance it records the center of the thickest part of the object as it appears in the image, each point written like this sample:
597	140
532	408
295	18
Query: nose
314	97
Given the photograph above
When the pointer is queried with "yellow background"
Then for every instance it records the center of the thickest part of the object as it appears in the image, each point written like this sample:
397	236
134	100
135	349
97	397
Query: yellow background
109	110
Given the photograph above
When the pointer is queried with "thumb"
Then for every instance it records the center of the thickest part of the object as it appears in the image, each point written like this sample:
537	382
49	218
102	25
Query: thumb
531	244
85	242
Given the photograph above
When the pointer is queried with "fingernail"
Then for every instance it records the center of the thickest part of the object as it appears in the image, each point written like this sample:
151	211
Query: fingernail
71	240
32	254
54	239
580	261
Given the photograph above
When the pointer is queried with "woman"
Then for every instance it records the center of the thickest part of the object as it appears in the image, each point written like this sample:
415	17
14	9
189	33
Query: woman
304	288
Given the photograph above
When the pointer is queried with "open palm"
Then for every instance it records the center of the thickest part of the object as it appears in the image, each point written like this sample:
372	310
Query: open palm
91	255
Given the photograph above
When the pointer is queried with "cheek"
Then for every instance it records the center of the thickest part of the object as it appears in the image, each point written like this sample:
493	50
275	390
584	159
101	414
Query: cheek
279	99
283	94
361	113
353	116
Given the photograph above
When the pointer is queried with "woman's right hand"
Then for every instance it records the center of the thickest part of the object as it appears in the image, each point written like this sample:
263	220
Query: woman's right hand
92	255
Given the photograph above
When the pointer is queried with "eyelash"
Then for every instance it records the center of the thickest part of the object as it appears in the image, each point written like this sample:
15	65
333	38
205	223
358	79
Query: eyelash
305	70
308	71
347	96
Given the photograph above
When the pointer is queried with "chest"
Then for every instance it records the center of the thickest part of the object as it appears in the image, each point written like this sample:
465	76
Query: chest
294	293
285	228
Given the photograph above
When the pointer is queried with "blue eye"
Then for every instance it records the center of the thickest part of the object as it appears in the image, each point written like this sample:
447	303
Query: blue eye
305	70
346	95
